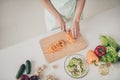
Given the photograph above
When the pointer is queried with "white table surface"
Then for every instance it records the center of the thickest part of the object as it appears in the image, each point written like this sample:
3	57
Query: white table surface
107	22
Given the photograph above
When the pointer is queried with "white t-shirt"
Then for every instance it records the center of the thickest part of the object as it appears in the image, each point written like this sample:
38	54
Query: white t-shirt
66	8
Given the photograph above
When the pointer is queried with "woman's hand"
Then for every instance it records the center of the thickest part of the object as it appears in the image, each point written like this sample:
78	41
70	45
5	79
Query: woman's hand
75	29
61	23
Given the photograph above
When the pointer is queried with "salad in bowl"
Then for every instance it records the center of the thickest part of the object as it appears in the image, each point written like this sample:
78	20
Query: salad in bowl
76	66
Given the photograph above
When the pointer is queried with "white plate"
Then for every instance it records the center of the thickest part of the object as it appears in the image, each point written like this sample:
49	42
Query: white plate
83	60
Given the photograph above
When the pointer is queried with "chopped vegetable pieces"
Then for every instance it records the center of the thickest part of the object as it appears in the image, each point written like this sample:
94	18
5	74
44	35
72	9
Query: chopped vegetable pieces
56	46
76	67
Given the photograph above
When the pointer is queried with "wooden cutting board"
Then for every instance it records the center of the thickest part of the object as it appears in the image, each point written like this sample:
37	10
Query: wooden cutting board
70	48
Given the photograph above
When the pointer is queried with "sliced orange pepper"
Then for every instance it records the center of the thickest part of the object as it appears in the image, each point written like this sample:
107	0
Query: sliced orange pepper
55	46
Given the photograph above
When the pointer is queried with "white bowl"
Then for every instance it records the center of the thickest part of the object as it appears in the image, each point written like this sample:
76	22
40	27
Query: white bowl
78	56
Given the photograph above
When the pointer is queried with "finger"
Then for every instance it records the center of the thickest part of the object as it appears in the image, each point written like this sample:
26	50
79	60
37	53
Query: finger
77	35
61	27
73	35
64	29
78	32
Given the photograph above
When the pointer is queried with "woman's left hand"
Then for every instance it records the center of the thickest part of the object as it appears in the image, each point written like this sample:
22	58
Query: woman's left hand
75	29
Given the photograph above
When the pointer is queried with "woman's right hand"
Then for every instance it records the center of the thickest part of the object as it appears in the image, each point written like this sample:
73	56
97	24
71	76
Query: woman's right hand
61	23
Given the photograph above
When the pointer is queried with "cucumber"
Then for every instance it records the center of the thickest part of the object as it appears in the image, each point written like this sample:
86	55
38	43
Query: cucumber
28	66
20	71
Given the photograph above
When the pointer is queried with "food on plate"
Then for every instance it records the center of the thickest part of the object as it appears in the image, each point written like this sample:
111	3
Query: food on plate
56	46
20	71
111	55
34	77
100	50
24	77
109	41
69	37
76	67
103	69
91	57
28	66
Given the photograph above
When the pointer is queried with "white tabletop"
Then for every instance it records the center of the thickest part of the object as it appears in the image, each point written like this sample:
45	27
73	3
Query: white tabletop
105	23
